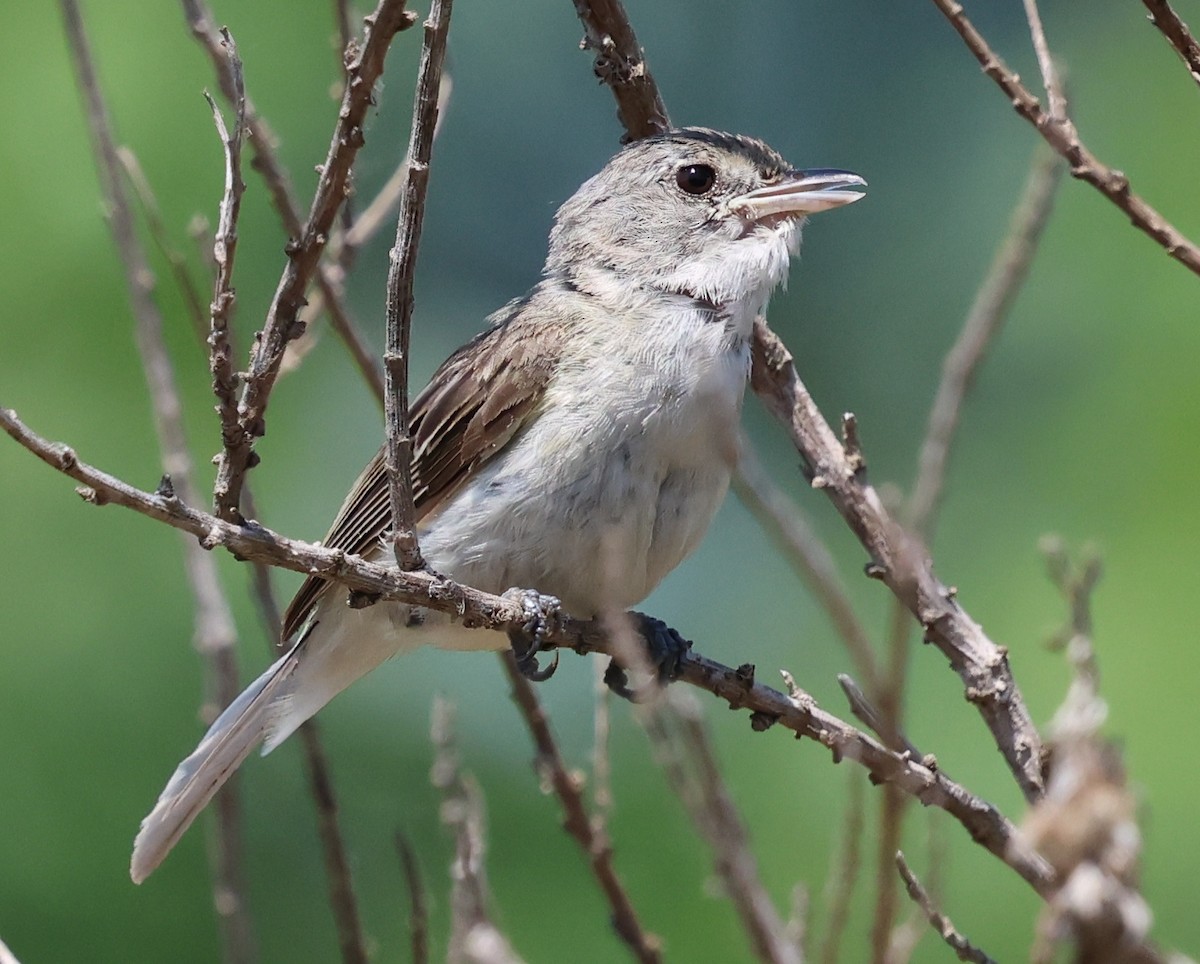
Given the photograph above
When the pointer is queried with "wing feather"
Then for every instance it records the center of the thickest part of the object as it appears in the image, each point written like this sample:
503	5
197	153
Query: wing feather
475	403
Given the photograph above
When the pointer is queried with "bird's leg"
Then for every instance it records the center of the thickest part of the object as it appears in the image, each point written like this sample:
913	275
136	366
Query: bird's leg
527	638
665	650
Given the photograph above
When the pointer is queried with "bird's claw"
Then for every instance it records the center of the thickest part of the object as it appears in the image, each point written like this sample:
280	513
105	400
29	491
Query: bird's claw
528	638
665	650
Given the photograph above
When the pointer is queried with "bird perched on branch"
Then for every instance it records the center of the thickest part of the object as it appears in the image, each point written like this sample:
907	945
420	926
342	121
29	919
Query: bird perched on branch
580	446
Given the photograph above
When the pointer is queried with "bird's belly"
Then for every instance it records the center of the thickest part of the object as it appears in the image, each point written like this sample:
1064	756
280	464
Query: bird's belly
597	525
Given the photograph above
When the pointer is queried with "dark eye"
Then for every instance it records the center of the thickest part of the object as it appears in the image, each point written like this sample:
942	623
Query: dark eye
695	178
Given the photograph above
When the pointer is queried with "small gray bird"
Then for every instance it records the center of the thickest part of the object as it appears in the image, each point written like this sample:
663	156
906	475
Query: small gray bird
580	446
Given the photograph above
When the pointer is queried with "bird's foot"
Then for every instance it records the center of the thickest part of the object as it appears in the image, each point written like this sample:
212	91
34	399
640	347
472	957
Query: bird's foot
665	651
528	638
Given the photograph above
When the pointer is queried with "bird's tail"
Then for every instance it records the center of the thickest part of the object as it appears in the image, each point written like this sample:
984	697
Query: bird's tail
236	732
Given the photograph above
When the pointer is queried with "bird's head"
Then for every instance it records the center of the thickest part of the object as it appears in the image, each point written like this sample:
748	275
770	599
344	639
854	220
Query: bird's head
694	211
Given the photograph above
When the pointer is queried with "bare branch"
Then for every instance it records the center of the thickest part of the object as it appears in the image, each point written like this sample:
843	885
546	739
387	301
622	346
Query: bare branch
602	795
620	63
1061	135
787	526
676	727
304	253
844	873
1177	33
215	634
342	901
589	834
900	564
1008	271
865	712
152	213
1086	825
339	258
266	162
474	938
220	352
797	712
402	268
418	910
1055	97
963	948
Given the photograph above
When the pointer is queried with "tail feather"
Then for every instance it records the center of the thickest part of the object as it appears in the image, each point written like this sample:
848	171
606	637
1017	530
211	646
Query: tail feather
226	744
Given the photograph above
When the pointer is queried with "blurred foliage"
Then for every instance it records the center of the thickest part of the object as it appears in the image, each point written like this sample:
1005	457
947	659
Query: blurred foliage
1083	422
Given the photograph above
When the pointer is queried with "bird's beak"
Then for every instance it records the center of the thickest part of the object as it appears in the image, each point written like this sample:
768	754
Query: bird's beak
798	193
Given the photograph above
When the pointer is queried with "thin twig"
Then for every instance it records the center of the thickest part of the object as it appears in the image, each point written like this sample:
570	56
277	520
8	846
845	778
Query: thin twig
220	352
418	908
682	748
215	634
797	712
1177	33
266	162
1055	97
786	525
152	213
340	257
866	712
1060	134
401	270
843	875
304	254
900	564
964	949
342	900
620	64
473	937
602	794
1086	825
1007	274
588	833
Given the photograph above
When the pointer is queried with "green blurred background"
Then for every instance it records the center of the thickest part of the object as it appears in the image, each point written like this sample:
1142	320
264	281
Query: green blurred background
1083	422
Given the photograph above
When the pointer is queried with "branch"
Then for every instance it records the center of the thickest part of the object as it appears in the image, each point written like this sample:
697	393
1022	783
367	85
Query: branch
589	834
215	633
676	727
304	253
1007	274
962	947
342	900
620	64
1060	134
797	712
220	352
900	564
1055	97
1177	34
402	267
266	162
474	938
418	909
844	873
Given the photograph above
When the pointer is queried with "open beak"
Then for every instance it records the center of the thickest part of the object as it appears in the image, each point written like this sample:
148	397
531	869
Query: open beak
798	193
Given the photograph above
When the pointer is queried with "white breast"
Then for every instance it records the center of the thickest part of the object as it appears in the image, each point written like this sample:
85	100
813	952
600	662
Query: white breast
618	478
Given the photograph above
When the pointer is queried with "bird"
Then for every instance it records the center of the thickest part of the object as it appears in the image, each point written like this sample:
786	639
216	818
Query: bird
578	447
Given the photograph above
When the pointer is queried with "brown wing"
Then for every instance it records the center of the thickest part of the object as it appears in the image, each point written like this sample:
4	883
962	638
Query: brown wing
473	405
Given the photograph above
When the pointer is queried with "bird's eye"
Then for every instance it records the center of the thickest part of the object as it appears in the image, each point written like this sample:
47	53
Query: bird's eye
695	178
